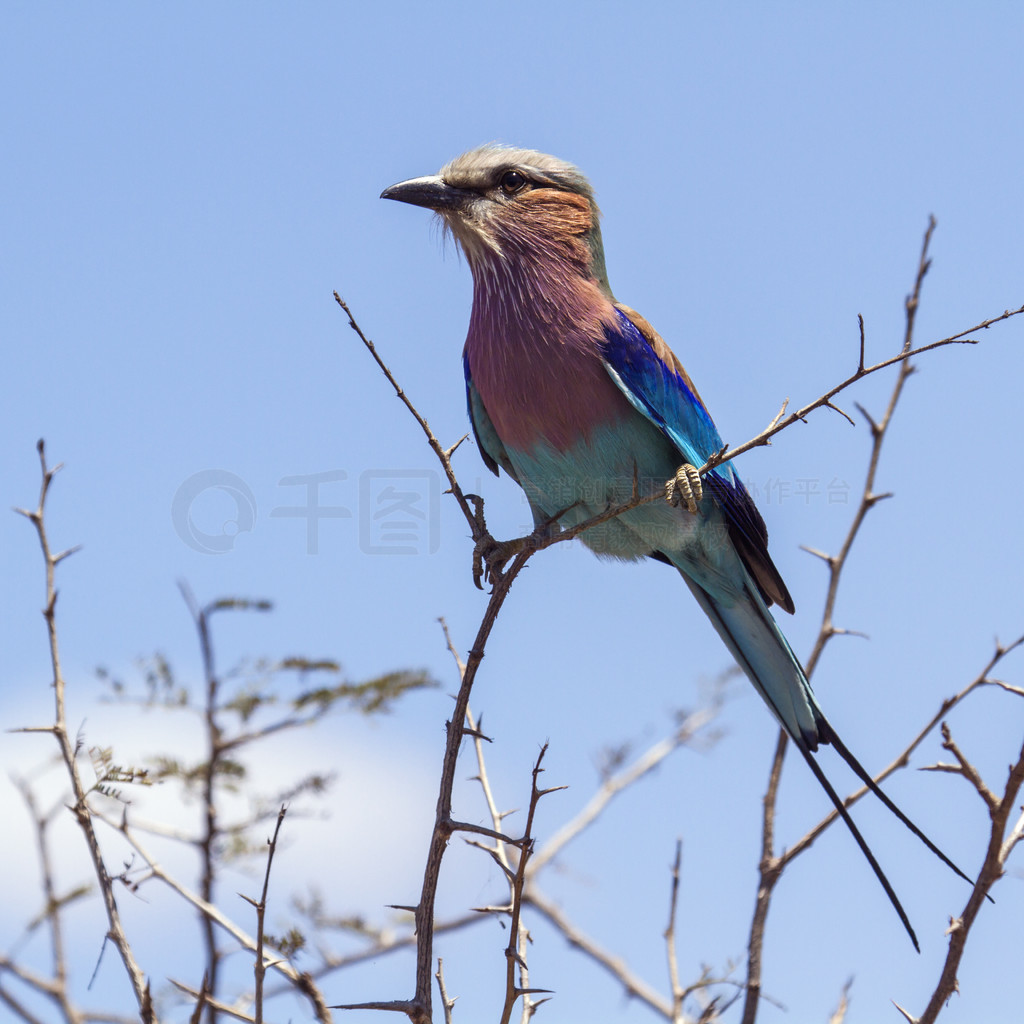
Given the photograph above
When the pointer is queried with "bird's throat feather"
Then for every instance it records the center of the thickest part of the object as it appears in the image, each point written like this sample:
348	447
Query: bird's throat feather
533	349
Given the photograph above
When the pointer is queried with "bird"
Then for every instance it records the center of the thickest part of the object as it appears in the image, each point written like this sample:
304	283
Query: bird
578	399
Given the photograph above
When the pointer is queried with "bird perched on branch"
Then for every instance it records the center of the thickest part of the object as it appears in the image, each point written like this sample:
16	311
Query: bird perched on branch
581	402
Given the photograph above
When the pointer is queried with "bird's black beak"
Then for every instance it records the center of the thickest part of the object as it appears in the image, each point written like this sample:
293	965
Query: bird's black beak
431	191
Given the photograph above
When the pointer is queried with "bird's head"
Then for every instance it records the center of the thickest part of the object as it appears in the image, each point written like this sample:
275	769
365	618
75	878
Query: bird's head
514	207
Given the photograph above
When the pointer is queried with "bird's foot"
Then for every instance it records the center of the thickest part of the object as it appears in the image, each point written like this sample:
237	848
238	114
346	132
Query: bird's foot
490	557
685	488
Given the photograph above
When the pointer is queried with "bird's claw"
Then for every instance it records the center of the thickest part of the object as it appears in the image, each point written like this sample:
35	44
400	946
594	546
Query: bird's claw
490	557
685	488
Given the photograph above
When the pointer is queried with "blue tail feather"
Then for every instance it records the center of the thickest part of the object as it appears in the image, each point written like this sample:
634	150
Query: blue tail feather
756	642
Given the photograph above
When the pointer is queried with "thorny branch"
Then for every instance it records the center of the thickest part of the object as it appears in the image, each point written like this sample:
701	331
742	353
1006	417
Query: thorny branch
781	421
515	953
260	965
155	870
615	784
997	851
214	753
69	751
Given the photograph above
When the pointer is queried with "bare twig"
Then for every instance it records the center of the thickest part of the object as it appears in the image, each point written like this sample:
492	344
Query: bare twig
68	749
670	938
218	917
633	985
384	946
844	1004
514	953
446	1003
443	454
211	830
53	905
260	966
906	353
998	849
204	999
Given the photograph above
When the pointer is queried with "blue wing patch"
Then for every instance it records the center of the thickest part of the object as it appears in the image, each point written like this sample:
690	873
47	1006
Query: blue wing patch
667	398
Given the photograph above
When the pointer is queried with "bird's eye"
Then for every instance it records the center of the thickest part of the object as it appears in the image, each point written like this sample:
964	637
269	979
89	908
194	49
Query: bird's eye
512	182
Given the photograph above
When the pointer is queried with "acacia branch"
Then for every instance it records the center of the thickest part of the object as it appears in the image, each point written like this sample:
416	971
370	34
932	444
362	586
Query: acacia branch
69	751
446	1002
633	985
53	905
444	455
207	844
998	849
515	951
781	422
156	870
203	998
678	992
260	966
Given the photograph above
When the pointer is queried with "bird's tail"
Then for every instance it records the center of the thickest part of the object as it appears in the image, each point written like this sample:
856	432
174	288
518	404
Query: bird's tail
760	649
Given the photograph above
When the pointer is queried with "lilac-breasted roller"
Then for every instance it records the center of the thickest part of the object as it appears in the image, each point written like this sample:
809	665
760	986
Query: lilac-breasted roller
580	401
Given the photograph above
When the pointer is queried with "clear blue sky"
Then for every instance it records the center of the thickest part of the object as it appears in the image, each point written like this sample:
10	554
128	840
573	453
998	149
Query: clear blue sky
183	189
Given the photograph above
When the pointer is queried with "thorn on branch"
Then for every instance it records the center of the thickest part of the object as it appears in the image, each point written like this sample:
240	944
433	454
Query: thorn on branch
910	1019
778	415
835	408
968	770
829	560
412	1009
512	954
57	559
840	631
875	429
873	499
449	452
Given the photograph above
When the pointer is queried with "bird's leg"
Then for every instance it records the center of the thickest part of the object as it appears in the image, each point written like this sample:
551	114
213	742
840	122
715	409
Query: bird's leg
685	488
